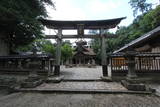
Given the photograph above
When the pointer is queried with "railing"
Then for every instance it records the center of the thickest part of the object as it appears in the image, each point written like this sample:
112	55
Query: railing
144	62
118	64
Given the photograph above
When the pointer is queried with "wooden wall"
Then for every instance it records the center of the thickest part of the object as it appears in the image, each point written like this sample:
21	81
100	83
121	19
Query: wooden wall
156	49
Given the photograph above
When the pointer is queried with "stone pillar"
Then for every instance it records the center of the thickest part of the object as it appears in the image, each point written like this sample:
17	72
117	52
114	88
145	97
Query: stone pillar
130	57
51	62
71	61
103	54
58	53
79	61
49	68
20	64
43	64
93	62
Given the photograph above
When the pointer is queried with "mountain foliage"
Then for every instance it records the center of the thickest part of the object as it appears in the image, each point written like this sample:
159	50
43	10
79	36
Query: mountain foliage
141	25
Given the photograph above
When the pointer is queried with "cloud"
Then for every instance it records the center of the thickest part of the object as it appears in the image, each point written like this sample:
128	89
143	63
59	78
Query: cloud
86	10
103	6
66	10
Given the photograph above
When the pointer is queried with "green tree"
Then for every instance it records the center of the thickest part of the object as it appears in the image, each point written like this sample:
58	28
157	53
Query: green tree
18	20
42	45
140	5
46	46
141	25
67	52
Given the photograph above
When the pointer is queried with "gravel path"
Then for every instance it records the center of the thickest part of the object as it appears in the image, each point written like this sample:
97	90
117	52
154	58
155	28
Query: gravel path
78	100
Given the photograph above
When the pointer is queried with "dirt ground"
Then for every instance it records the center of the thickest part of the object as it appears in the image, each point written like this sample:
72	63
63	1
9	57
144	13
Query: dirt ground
78	100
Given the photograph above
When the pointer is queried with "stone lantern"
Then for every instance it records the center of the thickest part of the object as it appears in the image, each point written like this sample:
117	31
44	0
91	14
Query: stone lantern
130	61
132	82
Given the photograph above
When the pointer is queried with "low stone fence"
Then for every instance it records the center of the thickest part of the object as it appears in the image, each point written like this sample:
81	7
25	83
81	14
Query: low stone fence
21	63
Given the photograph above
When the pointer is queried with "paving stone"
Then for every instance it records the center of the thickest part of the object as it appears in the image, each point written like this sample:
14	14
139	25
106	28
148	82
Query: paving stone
155	86
112	86
81	72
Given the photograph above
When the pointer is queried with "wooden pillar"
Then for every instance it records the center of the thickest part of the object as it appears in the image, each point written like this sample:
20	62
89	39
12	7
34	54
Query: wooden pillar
58	53
103	54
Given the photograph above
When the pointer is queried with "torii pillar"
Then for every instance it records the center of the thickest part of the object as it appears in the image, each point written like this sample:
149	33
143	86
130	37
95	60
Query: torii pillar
103	54
58	53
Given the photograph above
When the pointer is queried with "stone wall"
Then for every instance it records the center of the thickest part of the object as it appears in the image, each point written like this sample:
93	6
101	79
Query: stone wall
4	47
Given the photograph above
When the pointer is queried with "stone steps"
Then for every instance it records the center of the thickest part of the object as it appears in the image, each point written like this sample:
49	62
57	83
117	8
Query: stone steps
83	91
82	80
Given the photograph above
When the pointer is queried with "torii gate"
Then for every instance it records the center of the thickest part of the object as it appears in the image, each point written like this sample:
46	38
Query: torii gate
80	26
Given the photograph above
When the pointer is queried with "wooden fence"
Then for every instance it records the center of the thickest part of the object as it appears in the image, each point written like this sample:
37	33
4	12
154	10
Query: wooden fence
144	63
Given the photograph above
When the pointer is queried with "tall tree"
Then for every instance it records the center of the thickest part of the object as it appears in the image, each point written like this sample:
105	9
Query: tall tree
140	6
18	19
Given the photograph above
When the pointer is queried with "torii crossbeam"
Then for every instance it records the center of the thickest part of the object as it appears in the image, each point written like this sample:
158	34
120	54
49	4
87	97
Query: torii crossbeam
81	26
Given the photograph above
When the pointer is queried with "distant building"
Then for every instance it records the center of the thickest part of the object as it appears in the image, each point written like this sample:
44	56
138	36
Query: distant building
82	54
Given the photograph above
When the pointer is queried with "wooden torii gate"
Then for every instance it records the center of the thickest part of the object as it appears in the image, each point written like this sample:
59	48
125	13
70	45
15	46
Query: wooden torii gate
80	26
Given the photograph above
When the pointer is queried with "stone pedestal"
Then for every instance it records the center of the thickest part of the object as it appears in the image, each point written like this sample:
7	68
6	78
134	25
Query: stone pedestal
133	85
54	79
33	79
31	82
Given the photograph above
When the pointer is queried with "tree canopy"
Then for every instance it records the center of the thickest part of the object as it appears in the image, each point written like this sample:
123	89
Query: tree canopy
140	6
19	19
141	25
67	51
43	45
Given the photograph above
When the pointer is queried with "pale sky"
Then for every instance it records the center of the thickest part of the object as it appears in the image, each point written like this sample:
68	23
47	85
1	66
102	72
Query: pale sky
92	10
